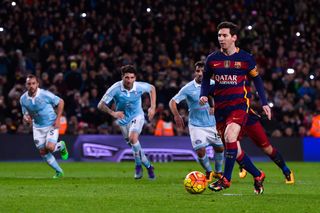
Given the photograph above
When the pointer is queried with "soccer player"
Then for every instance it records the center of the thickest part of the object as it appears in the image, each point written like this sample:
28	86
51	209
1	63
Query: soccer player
254	130
202	124
129	114
38	108
231	69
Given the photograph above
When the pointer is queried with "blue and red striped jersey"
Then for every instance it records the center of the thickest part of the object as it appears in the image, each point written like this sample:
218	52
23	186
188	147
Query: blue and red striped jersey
231	74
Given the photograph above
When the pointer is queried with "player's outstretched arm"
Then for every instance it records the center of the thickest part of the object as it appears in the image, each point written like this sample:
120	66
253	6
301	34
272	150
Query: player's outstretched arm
153	98
177	117
59	113
104	108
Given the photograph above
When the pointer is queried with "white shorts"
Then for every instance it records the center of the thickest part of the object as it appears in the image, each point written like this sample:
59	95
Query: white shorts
204	136
135	125
43	135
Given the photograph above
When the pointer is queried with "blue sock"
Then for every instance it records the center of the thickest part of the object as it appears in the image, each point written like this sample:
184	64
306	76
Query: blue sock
231	155
205	163
278	159
246	163
139	156
218	161
51	160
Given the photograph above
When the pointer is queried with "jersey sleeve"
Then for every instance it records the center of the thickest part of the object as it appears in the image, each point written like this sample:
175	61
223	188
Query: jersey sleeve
252	67
180	96
205	84
144	86
23	108
108	96
53	99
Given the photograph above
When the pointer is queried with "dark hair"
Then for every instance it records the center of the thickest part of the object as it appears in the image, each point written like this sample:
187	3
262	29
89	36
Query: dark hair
199	64
234	29
128	69
32	76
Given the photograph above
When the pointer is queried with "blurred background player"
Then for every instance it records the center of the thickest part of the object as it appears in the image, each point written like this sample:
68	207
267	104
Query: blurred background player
254	130
38	108
129	113
232	69
202	124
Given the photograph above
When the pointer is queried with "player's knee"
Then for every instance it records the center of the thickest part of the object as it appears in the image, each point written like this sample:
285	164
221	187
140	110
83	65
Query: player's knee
201	152
268	150
219	149
50	147
43	152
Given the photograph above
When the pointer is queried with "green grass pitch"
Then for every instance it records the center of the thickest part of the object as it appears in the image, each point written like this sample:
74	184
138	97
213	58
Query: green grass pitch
110	187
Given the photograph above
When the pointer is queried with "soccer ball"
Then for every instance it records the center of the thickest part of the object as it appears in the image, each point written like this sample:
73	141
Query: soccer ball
195	182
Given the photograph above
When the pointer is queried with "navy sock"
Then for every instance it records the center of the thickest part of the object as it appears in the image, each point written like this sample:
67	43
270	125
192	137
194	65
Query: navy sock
278	159
246	163
231	154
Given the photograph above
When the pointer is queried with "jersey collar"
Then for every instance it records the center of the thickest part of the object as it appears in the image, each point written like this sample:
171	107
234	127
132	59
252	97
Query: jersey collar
134	87
37	94
196	84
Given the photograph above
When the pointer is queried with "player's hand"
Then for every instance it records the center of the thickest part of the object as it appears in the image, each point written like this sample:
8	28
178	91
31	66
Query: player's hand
151	112
267	110
118	114
203	100
27	119
179	121
211	111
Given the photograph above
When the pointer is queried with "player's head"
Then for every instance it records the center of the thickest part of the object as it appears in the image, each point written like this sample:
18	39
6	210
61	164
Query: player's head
227	34
198	71
128	73
32	84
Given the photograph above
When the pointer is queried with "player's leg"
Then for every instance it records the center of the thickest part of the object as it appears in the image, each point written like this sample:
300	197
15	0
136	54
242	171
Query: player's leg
258	176
51	145
135	129
216	142
54	145
231	133
257	134
199	143
138	165
39	137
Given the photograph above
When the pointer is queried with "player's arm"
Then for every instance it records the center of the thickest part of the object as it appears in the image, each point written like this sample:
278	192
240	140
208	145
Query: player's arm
257	80
210	100
103	107
211	104
205	84
153	98
59	113
177	117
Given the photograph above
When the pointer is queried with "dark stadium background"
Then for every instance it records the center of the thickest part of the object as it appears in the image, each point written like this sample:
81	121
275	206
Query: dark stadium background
77	47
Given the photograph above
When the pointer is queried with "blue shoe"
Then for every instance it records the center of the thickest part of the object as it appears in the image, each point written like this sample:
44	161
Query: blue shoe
139	172
151	173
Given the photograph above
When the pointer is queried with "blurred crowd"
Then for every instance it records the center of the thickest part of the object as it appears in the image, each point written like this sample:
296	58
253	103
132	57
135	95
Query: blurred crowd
76	48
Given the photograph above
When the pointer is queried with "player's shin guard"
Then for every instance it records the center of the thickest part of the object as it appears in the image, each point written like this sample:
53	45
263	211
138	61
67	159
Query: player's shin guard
246	163
139	155
51	160
218	161
136	150
231	154
205	163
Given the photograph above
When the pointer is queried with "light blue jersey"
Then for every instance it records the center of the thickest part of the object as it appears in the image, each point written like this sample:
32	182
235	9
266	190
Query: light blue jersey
127	101
40	107
198	115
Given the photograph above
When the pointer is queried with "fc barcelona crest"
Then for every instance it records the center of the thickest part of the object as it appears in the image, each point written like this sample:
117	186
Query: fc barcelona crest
226	64
237	64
